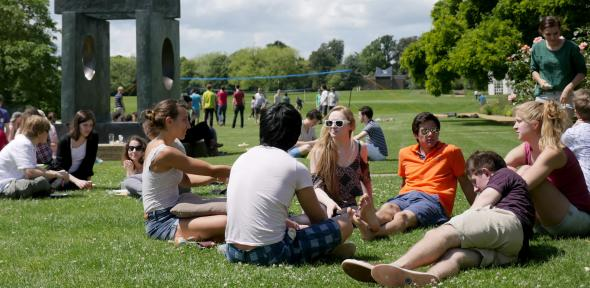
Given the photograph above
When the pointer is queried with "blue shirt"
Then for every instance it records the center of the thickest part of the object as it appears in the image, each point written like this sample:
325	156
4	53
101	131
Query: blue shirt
4	117
196	101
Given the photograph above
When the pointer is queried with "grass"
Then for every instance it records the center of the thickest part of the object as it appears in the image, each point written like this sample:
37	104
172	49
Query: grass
96	239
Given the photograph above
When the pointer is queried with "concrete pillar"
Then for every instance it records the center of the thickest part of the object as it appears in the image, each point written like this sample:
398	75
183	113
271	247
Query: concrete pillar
85	66
158	58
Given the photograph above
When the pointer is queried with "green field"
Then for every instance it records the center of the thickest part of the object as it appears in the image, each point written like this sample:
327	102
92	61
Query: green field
96	239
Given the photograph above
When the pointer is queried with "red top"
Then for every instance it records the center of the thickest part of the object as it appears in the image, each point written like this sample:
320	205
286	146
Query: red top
221	98
569	179
238	98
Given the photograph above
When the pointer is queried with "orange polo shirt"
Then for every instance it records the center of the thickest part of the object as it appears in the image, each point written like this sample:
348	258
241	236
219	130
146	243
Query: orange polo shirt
436	174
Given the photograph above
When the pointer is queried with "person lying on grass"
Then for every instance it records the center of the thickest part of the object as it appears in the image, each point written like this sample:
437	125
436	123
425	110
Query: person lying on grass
430	170
264	181
495	230
165	167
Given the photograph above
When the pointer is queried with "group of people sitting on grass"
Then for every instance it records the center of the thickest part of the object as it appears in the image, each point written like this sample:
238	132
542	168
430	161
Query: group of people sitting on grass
539	186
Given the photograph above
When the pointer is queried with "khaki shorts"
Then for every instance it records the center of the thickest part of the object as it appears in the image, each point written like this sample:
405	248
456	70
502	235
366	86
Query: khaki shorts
494	233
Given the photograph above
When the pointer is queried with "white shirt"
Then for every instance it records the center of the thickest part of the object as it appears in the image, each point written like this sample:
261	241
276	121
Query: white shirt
324	98
18	155
78	155
332	98
260	190
577	139
259	100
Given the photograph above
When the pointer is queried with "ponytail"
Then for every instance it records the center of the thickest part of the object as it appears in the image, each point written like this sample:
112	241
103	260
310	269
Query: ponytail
555	122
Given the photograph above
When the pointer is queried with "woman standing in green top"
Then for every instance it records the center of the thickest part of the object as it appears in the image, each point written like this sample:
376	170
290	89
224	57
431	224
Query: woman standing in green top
557	65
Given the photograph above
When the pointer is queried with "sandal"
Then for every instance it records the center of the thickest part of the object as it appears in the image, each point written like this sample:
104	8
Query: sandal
392	276
358	270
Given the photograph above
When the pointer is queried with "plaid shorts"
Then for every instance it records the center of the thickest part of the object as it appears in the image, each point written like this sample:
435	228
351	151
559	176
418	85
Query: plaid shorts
309	244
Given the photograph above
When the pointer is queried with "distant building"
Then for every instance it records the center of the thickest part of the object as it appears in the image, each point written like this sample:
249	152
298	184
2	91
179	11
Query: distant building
384	79
499	87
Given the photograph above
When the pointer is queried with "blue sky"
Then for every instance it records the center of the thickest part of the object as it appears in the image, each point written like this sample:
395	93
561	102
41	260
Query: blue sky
229	25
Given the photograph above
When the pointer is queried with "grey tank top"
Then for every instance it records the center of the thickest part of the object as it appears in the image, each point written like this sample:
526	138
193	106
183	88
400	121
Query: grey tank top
160	190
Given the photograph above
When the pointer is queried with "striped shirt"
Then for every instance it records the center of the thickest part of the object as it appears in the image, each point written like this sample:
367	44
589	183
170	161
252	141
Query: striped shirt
375	136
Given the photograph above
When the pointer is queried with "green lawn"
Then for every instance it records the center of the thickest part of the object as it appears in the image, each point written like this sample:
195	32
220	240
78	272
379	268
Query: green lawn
95	239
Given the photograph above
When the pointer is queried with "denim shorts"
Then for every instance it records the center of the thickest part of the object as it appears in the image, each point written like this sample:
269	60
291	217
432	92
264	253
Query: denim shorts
427	208
295	152
161	224
308	245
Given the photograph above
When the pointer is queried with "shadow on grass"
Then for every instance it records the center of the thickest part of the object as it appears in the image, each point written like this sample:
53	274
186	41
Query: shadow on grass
540	253
480	122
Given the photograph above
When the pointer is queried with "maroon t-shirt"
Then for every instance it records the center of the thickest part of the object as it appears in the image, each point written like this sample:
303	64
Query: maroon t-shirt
239	98
515	196
221	98
569	179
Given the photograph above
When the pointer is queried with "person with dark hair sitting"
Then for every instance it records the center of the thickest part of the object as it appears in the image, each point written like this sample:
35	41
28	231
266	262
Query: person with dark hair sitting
307	137
375	139
430	170
76	152
264	181
133	157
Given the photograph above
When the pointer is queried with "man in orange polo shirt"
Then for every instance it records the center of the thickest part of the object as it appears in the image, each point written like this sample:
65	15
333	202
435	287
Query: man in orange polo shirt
430	171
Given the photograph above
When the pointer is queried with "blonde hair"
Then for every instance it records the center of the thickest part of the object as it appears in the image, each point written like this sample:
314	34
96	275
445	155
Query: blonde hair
34	126
553	120
328	154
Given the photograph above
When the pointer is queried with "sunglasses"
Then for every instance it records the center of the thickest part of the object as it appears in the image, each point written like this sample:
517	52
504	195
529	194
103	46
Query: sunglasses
135	148
426	131
335	123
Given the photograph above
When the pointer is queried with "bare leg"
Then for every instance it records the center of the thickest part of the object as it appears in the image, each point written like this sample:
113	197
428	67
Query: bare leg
367	213
430	248
453	261
202	228
390	218
551	205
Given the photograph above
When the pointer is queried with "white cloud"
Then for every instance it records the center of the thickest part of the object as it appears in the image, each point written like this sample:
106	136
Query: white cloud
229	25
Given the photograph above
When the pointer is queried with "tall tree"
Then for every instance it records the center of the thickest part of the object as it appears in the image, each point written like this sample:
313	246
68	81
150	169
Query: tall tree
471	38
384	52
28	66
123	73
328	56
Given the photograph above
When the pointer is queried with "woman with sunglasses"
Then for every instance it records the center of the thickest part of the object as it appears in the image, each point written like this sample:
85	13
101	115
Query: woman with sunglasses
133	157
339	164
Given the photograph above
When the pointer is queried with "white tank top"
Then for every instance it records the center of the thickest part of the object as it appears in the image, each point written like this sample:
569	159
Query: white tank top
160	190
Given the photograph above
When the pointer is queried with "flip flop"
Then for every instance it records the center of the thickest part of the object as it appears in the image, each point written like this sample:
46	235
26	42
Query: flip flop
358	270
392	276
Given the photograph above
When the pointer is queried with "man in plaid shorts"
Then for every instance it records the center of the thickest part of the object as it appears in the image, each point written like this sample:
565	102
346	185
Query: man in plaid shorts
260	190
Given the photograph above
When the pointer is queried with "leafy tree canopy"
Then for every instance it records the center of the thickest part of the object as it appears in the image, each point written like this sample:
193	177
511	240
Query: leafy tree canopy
28	65
471	38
